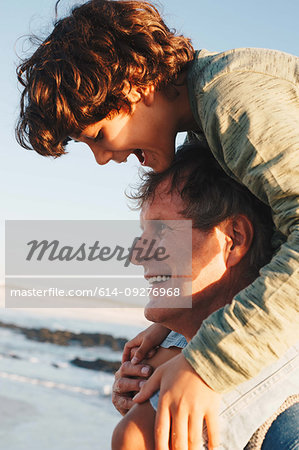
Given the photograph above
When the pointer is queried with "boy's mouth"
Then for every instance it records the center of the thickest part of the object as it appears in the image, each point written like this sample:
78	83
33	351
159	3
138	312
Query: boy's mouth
140	155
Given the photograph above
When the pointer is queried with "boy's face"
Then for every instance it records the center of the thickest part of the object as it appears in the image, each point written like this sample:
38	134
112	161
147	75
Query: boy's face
148	132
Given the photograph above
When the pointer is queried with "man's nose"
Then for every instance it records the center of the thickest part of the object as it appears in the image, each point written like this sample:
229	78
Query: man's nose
138	248
143	250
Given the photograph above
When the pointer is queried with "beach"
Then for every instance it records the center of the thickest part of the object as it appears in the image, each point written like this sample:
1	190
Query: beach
46	400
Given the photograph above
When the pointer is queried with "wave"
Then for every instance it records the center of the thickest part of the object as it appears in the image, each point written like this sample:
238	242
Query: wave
52	385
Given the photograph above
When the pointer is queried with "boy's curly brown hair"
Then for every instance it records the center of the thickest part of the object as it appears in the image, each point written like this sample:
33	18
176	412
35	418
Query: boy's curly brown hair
78	74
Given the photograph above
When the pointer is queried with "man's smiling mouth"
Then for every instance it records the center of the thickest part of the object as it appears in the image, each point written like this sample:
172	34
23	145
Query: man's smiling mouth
158	279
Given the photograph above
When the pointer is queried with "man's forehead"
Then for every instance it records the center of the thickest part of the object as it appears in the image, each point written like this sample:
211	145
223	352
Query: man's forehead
164	203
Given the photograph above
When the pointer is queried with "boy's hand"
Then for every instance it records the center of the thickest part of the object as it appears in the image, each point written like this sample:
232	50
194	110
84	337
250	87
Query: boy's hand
127	383
185	401
146	341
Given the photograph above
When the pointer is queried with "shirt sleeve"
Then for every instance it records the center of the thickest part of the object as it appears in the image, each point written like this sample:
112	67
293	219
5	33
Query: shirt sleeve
251	122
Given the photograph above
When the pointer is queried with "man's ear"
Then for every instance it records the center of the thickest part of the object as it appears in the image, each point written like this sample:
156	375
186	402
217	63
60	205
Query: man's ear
240	231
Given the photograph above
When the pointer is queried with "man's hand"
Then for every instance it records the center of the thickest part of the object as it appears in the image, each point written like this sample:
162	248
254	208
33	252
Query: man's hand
144	343
129	377
127	383
185	401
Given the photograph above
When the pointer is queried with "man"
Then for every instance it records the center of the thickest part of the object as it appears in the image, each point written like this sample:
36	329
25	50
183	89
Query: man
231	240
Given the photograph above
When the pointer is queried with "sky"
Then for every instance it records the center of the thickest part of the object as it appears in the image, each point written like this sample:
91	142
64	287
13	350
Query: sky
74	186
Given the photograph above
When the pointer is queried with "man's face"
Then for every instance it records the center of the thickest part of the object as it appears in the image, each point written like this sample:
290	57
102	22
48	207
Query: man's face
146	132
207	263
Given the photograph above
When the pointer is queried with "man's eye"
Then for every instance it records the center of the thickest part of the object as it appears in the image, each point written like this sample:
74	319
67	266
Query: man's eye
99	136
161	227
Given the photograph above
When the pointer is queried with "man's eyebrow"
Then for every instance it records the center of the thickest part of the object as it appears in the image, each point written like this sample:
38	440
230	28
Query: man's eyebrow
157	218
150	220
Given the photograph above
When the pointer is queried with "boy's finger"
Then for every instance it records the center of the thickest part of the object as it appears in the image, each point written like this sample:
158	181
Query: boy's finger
212	422
179	431
148	388
195	431
162	426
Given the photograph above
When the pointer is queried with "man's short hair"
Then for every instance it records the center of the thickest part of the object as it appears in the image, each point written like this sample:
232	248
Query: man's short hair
210	196
77	76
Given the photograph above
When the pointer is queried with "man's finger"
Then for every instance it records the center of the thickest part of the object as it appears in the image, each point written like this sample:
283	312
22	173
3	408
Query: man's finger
135	342
126	356
212	422
122	404
127	369
124	385
142	351
149	387
151	353
162	426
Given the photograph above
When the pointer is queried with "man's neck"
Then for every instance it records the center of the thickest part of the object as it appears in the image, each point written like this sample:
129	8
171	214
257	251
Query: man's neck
203	305
214	297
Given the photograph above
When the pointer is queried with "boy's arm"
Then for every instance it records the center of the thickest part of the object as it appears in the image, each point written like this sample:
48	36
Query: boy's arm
251	122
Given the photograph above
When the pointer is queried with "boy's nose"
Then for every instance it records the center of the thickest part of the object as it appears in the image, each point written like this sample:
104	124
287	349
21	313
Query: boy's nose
102	156
104	159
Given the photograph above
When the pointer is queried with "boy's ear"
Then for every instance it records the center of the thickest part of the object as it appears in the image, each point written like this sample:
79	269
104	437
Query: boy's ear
240	231
148	94
135	93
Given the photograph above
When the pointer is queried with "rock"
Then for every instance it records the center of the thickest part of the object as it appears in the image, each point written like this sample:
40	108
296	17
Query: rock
97	364
59	337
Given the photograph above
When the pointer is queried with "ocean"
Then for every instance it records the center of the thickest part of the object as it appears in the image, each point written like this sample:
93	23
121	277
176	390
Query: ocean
46	401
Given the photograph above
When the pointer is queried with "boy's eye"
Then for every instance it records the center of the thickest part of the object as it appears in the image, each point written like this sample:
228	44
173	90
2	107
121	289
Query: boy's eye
67	140
99	136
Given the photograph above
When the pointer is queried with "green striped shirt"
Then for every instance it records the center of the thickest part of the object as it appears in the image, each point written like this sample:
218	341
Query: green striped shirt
246	102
